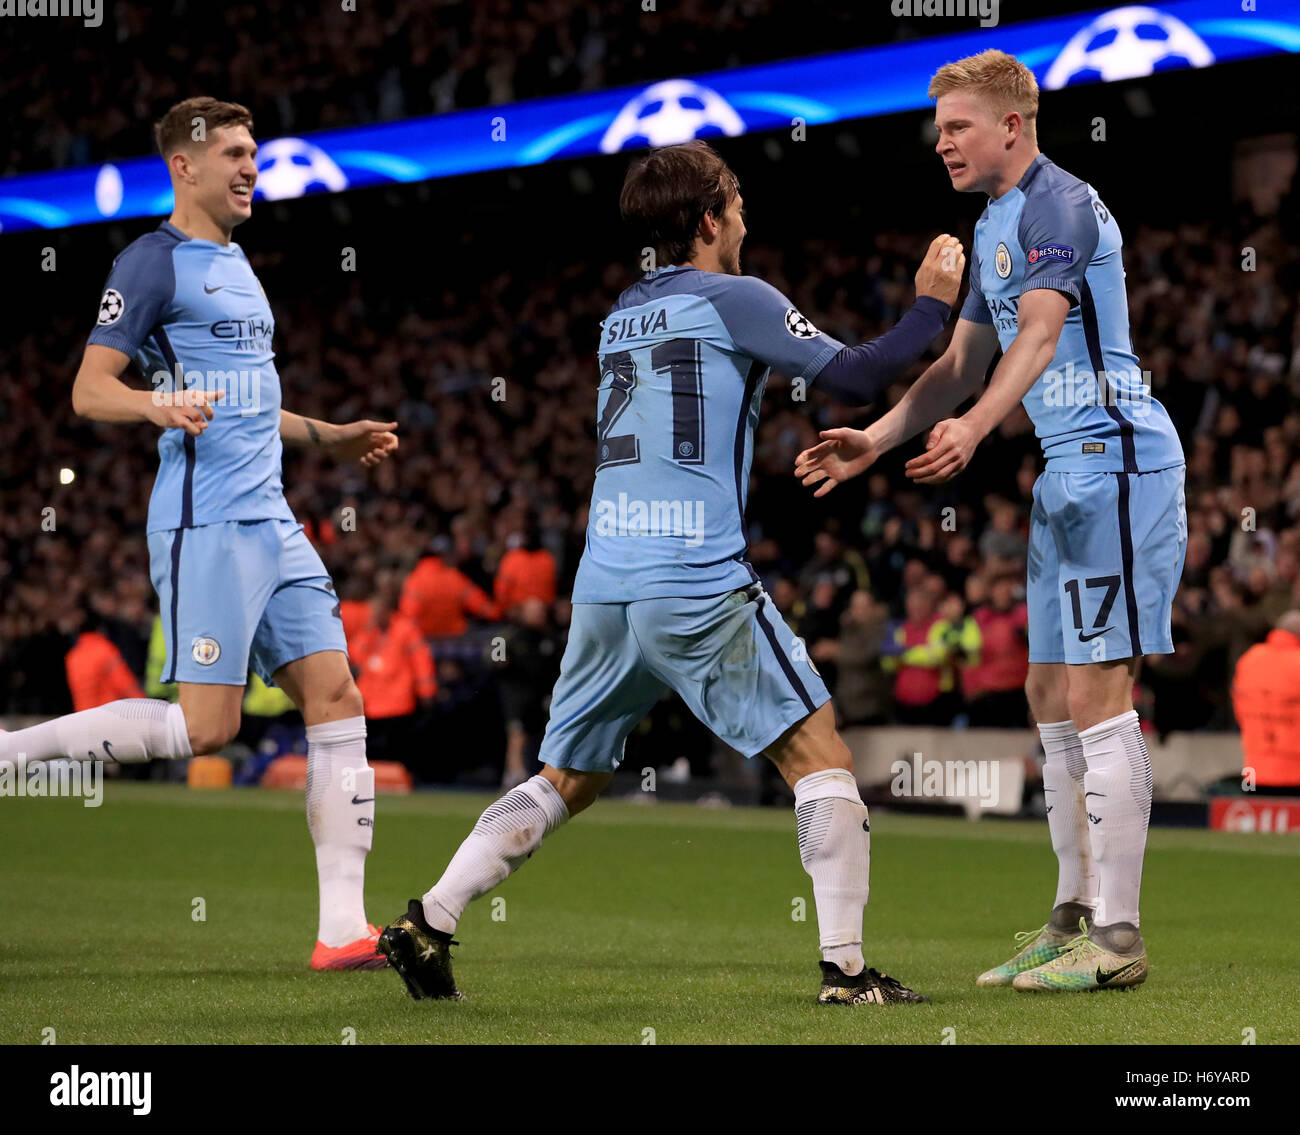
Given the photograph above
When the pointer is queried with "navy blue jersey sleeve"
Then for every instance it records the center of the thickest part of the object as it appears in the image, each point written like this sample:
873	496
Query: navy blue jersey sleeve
975	310
857	375
139	291
1058	234
766	326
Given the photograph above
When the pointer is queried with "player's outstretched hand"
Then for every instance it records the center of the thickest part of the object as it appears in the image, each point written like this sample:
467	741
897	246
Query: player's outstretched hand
842	453
188	410
948	451
941	270
367	442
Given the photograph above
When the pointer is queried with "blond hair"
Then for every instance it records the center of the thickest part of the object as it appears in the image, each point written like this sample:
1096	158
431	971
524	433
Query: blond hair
1001	79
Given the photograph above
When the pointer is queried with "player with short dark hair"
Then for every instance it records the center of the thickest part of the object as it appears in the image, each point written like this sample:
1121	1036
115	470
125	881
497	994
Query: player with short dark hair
1108	529
238	581
664	598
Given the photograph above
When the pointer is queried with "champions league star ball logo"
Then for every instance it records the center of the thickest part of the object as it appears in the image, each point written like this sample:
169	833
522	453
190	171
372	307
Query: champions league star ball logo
799	325
290	167
111	307
670	112
1127	43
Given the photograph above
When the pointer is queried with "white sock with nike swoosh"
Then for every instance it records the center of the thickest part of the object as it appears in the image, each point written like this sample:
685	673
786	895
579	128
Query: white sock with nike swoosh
1117	790
341	818
1067	821
130	730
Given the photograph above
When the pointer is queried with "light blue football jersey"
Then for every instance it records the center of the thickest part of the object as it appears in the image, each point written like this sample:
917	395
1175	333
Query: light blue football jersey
684	357
181	305
1092	408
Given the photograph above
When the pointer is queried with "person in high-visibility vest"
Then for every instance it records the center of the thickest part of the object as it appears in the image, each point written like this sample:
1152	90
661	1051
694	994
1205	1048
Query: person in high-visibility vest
437	595
527	571
97	672
1266	700
395	672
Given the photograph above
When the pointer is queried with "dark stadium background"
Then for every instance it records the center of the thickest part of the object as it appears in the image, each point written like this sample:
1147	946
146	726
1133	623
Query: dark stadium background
508	274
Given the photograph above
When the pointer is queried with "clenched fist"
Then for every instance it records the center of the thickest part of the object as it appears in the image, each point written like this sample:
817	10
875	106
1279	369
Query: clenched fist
941	270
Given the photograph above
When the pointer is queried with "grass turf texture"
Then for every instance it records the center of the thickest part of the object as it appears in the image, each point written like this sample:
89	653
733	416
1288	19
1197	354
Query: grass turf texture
668	917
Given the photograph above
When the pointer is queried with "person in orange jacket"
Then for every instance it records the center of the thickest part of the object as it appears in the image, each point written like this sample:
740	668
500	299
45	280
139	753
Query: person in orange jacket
395	672
97	672
1266	700
527	571
437	595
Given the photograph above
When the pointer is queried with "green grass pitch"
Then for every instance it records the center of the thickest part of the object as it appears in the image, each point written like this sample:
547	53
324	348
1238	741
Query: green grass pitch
671	918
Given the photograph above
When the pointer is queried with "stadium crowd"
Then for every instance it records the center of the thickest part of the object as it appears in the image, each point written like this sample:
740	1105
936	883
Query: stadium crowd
308	66
453	562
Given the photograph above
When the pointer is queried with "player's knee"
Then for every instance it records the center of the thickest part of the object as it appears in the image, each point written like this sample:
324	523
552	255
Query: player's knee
341	698
578	790
1047	700
211	736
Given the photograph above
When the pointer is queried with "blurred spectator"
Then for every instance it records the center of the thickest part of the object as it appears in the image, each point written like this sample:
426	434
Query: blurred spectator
1003	544
437	596
395	674
97	673
529	664
917	652
994	687
1266	698
862	688
961	635
527	571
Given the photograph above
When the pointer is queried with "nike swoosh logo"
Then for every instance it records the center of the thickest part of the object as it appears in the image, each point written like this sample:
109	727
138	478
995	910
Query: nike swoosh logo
1103	977
1087	794
108	749
362	799
1089	637
216	289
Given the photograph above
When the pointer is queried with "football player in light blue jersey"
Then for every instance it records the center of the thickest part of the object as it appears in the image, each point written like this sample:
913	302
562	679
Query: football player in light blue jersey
238	581
1108	528
664	598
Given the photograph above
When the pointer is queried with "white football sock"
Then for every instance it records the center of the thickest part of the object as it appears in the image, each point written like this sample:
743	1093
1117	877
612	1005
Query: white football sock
341	819
130	731
1118	800
505	835
1067	818
835	849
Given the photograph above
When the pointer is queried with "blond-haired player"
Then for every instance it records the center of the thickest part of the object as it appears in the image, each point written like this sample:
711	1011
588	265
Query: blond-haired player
1108	528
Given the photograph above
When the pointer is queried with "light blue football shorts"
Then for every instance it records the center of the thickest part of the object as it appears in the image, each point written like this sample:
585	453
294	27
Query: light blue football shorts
1105	557
731	657
241	593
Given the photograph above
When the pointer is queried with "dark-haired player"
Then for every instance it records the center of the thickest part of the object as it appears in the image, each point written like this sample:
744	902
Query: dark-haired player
238	581
664	598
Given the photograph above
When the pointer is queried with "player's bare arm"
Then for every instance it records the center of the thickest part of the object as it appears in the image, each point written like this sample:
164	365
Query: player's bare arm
366	441
98	393
952	442
844	453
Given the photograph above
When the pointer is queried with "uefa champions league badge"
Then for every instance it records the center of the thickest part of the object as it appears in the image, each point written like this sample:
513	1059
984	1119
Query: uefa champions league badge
1002	261
111	307
799	325
205	651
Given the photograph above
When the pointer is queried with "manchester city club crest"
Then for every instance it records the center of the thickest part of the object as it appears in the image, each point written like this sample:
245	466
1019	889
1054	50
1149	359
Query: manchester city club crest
205	651
1002	261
